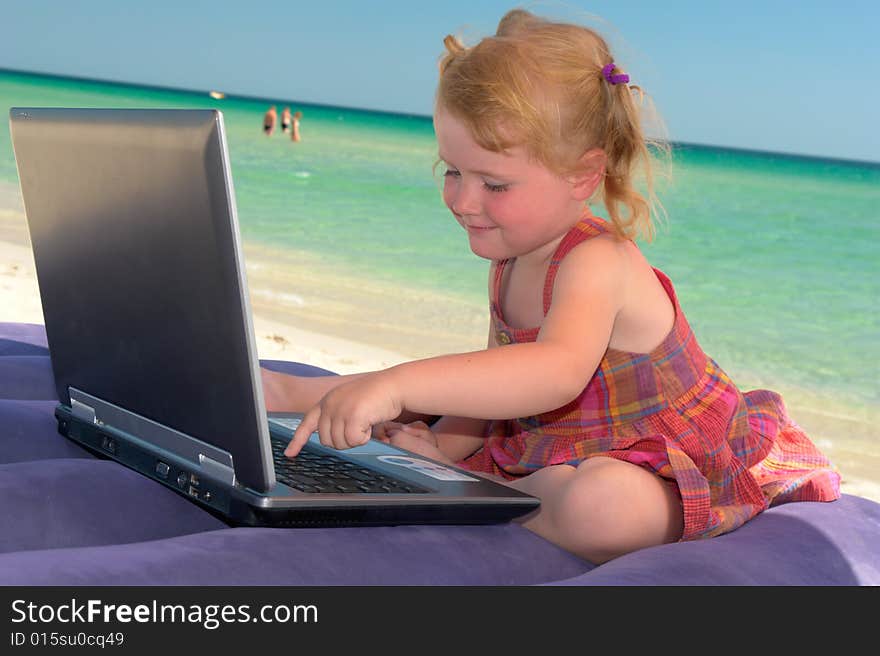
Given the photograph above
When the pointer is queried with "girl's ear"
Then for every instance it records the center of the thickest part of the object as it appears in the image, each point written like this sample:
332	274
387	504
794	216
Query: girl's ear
589	173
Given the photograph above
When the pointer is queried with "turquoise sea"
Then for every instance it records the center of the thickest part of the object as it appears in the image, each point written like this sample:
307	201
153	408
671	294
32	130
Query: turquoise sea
775	257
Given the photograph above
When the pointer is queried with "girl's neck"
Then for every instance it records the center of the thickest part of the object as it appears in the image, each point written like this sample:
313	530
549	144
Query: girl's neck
541	256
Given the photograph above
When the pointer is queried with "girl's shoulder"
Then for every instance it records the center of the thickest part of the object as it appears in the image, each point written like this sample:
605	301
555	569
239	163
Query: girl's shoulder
594	273
612	272
604	265
605	255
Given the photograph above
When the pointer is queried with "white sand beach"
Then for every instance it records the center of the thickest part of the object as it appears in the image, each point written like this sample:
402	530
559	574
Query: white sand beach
291	335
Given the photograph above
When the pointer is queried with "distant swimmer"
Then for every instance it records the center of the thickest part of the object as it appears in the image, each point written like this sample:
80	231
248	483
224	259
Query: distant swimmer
285	120
269	120
294	135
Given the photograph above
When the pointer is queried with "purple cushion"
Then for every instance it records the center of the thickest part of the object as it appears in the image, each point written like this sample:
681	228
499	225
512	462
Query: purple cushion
47	504
404	555
27	377
68	518
23	339
28	431
295	368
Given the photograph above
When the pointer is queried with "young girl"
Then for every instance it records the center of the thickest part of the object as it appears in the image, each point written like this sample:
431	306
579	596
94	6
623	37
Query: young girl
593	393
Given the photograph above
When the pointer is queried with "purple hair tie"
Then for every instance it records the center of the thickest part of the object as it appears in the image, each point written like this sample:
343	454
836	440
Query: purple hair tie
614	79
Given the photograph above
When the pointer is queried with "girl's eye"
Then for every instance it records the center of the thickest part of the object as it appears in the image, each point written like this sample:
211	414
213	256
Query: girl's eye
495	188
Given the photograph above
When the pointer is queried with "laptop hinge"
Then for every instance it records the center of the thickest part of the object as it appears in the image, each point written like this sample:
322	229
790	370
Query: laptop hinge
160	440
217	470
82	411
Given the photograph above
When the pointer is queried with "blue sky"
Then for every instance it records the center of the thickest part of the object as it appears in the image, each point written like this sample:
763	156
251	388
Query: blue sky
797	77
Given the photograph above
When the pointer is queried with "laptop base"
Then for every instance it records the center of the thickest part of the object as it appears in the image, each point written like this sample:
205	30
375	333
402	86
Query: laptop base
244	509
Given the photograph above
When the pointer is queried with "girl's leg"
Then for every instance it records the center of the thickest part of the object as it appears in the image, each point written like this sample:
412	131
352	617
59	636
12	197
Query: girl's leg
603	508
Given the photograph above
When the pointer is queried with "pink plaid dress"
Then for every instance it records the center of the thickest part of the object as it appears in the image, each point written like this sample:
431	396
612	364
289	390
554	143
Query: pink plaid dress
673	411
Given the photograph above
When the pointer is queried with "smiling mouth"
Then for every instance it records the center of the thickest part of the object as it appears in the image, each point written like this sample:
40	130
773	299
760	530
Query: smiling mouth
473	228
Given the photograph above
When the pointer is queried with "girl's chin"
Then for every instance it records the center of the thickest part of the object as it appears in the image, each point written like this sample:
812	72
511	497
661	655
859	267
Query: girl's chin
482	248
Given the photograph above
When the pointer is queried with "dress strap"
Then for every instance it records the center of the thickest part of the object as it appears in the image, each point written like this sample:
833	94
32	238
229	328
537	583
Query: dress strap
498	266
588	227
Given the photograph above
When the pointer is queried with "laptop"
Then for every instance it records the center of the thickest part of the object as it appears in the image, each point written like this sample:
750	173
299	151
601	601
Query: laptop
133	225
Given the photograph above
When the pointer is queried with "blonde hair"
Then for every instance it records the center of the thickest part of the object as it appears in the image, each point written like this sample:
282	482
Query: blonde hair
539	84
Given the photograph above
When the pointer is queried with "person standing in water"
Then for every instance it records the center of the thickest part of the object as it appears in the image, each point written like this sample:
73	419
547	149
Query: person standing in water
294	134
269	119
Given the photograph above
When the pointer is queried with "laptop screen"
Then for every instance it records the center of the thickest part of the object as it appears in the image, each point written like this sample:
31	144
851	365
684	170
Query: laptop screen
132	221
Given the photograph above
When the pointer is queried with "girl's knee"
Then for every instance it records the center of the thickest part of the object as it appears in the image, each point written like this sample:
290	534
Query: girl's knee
609	507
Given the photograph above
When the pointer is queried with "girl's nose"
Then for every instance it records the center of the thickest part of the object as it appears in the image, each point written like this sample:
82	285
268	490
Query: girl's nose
466	199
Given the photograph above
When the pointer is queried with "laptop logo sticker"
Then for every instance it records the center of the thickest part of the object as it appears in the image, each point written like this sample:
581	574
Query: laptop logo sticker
427	468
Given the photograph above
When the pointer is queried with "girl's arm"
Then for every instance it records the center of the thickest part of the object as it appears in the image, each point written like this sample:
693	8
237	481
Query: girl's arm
450	439
459	437
288	393
515	380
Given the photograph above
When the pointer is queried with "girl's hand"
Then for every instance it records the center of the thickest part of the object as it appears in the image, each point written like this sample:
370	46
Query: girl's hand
416	437
345	416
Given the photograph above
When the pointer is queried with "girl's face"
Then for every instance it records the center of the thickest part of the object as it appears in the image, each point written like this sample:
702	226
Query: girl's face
509	204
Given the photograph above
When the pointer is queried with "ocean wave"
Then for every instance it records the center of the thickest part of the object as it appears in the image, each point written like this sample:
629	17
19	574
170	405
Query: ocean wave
284	298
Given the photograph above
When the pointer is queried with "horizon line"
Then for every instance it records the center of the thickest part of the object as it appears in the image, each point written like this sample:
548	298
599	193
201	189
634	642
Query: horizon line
414	115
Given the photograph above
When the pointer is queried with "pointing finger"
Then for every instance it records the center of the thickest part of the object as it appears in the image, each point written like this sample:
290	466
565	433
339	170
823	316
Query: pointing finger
306	427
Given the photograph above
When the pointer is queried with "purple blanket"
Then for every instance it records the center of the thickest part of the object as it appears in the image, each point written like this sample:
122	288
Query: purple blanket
69	518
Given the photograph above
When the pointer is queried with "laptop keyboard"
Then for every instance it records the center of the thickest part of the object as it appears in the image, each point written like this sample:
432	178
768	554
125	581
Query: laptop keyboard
327	473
